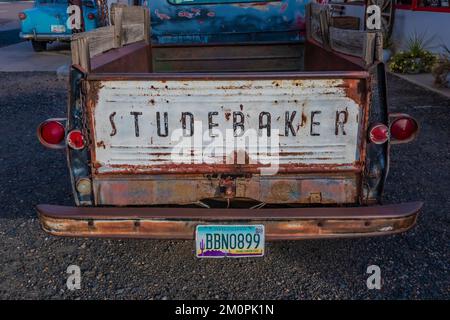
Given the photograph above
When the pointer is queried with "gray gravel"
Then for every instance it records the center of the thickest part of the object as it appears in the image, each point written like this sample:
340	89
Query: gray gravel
33	264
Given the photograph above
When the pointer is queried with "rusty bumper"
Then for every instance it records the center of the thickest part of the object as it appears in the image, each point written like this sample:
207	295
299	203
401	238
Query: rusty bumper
180	223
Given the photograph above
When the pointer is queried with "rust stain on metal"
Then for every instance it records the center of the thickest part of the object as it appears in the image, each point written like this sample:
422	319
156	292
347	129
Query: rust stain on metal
100	144
281	190
170	189
304	119
280	224
354	89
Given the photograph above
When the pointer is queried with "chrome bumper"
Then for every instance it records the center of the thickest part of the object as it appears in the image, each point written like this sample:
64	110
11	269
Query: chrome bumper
180	223
46	37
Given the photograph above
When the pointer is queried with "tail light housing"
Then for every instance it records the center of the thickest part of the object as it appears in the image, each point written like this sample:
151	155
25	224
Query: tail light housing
22	16
403	128
51	133
75	140
91	16
379	133
84	186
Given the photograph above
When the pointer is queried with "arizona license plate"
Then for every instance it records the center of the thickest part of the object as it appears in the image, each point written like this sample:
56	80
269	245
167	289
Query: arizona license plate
234	241
58	28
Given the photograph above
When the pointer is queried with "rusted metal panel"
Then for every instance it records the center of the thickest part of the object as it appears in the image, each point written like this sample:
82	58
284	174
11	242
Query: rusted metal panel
240	57
226	21
171	189
280	224
153	190
353	74
300	189
122	59
319	123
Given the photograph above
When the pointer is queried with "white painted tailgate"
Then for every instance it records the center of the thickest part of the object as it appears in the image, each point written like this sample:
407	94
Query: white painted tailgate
120	102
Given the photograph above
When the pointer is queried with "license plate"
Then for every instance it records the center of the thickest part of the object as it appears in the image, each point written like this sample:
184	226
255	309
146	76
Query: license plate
233	241
58	28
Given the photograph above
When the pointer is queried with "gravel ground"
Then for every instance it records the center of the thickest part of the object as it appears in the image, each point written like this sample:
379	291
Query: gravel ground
33	264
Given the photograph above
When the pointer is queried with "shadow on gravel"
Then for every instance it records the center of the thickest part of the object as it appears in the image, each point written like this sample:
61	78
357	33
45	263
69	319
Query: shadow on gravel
32	172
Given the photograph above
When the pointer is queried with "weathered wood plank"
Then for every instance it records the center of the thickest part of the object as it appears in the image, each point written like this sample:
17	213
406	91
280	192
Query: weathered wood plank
129	25
147	25
80	53
74	51
118	27
133	15
314	30
113	9
84	52
353	42
132	33
345	22
324	17
100	39
342	34
379	46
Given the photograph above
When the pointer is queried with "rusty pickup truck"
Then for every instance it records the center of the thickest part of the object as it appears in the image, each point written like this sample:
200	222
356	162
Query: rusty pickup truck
231	123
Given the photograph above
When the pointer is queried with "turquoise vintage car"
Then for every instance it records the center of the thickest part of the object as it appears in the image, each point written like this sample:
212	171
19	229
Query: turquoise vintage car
47	21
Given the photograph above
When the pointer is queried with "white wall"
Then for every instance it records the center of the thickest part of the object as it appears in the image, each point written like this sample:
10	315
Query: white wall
435	26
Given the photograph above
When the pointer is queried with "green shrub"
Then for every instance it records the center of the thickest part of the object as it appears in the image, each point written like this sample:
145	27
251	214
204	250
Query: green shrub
416	59
412	61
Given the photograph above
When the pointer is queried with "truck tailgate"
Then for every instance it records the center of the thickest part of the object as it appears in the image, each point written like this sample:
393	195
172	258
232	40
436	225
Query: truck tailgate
139	126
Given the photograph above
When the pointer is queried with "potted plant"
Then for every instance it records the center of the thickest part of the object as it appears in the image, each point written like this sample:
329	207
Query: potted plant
416	59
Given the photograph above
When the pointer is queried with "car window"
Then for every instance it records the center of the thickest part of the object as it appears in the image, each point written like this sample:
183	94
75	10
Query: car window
52	1
87	3
185	2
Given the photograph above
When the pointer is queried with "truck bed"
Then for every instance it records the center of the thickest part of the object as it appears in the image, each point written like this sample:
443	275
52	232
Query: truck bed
224	58
138	95
132	149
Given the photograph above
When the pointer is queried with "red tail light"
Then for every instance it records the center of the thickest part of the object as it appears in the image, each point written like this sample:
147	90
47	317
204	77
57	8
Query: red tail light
91	16
22	16
51	133
75	140
379	133
404	129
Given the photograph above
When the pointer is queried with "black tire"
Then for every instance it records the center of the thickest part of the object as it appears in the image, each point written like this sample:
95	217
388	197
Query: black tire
39	46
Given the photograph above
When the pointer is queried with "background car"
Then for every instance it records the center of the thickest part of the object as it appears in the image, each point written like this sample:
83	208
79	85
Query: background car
47	21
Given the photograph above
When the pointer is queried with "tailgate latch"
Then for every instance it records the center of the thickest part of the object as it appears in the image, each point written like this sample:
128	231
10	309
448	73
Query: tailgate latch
315	197
227	187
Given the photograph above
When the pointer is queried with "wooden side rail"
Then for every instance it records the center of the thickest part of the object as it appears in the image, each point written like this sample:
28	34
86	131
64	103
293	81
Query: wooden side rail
129	24
334	35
